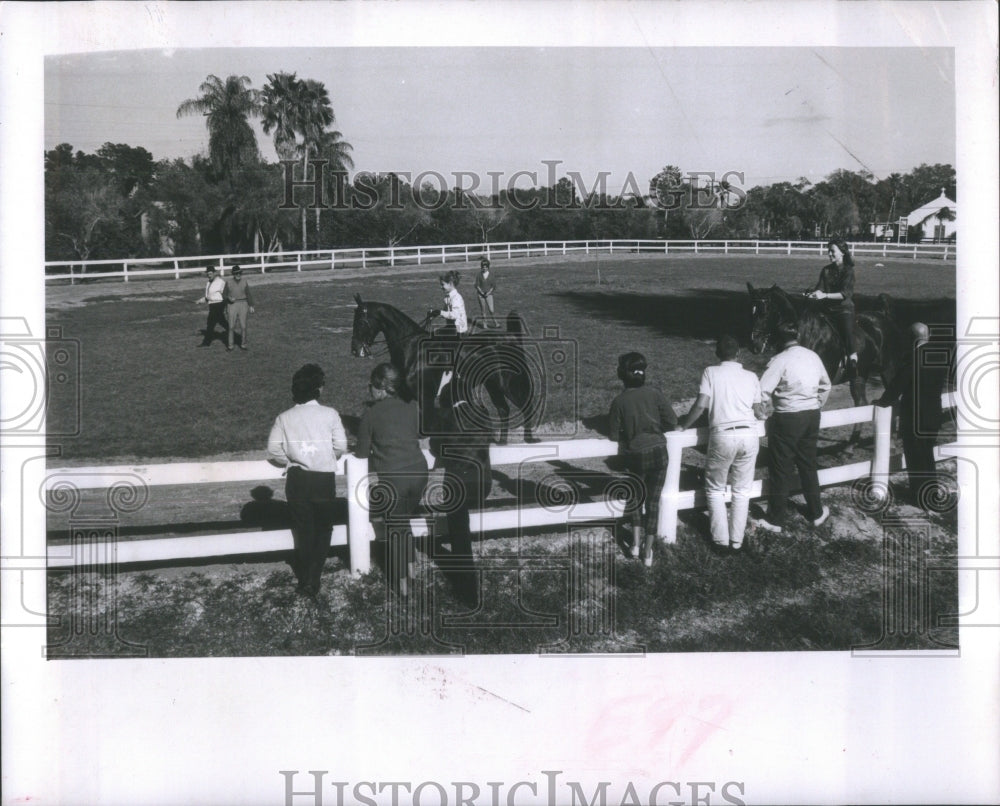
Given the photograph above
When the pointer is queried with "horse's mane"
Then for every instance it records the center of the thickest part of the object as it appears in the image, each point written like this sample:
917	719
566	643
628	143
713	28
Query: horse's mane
786	304
397	317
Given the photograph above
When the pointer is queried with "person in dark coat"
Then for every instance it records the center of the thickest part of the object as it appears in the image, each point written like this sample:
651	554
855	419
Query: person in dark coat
462	450
638	419
389	437
917	387
836	288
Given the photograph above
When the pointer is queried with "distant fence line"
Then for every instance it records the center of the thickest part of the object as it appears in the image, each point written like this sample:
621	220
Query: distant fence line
362	258
128	483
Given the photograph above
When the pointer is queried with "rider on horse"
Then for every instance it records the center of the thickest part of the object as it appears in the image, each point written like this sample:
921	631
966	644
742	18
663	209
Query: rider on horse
836	288
454	310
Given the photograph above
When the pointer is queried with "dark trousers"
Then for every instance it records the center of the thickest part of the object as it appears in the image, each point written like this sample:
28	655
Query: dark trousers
791	442
648	469
392	508
843	318
216	316
918	449
473	482
310	497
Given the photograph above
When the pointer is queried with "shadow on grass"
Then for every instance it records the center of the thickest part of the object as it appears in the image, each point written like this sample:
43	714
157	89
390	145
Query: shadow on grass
707	313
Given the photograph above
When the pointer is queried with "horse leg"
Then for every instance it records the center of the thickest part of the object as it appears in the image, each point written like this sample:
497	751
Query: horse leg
860	397
495	388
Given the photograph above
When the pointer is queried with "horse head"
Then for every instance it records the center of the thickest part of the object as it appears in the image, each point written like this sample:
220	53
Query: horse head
769	308
366	329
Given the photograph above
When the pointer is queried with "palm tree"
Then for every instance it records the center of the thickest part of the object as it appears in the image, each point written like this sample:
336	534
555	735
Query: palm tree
332	147
227	105
295	108
942	215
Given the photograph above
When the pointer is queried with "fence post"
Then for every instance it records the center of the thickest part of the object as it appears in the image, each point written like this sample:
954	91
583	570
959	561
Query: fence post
882	421
222	267
725	247
177	270
885	247
358	526
756	247
442	254
72	279
125	269
666	528
545	248
333	259
696	247
945	256
789	251
466	253
263	264
364	257
419	256
586	247
298	262
508	250
666	247
914	251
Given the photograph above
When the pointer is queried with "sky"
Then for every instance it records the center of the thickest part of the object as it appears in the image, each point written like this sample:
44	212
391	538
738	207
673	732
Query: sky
774	113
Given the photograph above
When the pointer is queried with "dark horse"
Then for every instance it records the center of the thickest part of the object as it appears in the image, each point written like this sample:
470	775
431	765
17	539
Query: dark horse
495	363
876	336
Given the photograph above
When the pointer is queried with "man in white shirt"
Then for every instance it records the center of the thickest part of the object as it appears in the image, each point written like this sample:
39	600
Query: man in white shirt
214	288
308	439
797	385
731	395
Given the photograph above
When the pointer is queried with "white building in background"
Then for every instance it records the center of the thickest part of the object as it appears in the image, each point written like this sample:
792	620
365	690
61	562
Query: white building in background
937	218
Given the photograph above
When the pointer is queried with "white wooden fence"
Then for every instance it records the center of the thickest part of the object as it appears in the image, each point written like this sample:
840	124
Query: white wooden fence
372	257
357	533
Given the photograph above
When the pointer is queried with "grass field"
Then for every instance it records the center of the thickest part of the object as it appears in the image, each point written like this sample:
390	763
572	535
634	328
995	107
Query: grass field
149	393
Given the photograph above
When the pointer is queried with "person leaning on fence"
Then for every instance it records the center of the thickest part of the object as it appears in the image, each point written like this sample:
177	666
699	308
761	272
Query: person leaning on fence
731	395
486	285
239	304
462	450
215	288
917	387
637	420
797	386
308	439
389	437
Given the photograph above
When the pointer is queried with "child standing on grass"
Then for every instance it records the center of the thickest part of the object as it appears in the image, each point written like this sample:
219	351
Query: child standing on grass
485	286
638	419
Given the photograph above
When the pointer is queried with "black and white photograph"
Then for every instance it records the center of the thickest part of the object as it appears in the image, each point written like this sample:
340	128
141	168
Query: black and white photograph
476	403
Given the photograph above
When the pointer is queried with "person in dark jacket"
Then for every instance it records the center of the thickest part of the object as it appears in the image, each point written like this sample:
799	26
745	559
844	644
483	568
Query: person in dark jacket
389	437
917	387
638	419
836	288
462	450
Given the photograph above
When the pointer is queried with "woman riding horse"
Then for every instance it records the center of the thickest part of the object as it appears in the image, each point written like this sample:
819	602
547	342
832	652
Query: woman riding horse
836	288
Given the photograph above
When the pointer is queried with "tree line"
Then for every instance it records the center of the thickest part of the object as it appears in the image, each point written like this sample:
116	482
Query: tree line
119	202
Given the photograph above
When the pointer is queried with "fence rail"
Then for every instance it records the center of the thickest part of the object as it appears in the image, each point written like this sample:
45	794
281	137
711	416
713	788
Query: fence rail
371	257
357	533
